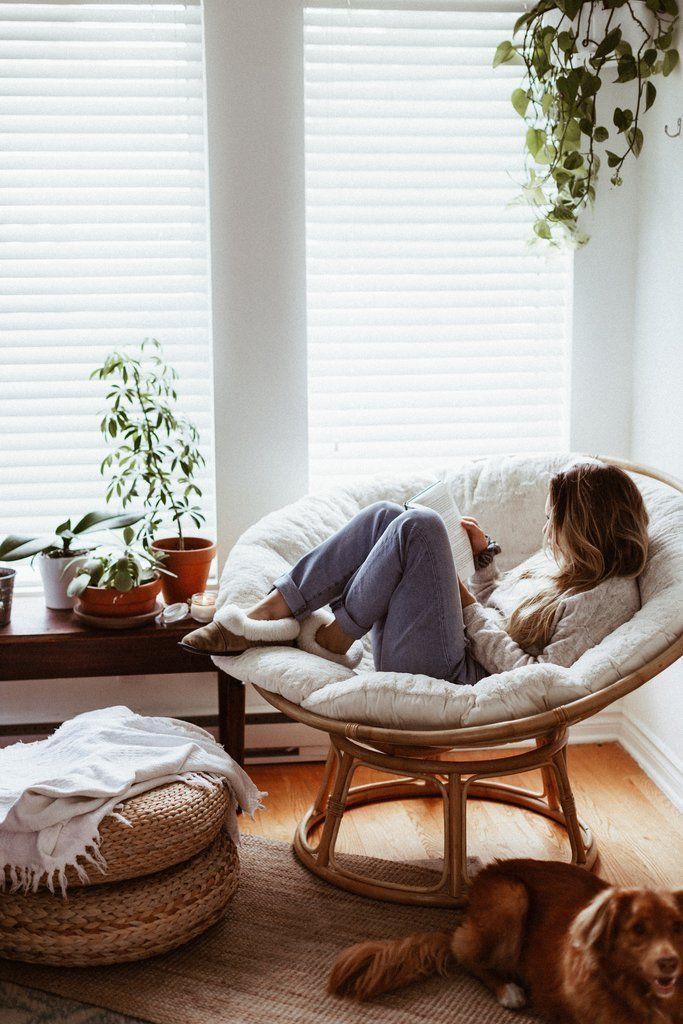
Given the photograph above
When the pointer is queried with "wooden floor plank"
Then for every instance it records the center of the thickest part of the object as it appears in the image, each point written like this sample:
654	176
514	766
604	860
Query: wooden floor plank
639	833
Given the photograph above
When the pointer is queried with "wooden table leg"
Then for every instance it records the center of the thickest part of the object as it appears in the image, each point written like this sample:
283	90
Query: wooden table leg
231	715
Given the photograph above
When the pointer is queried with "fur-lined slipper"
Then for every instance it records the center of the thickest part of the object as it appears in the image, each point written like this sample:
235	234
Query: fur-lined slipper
306	641
233	632
238	622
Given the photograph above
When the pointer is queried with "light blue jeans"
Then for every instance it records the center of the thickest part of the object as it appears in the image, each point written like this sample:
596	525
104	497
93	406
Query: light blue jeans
390	572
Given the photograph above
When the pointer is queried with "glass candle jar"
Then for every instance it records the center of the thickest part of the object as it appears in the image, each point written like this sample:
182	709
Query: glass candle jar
203	606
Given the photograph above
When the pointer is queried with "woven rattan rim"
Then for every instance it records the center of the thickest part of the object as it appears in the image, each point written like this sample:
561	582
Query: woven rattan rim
121	921
532	726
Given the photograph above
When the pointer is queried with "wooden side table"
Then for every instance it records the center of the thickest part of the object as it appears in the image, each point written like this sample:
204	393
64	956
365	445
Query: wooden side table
42	644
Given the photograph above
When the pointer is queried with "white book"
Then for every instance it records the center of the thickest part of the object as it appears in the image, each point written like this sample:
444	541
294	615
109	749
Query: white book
439	498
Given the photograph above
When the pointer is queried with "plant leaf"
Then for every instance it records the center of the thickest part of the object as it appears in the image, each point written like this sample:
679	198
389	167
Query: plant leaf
521	21
78	584
14	547
635	137
565	41
520	101
600	134
542	229
573	161
590	84
106	521
608	44
571	9
504	52
626	66
650	94
670	62
572	133
535	139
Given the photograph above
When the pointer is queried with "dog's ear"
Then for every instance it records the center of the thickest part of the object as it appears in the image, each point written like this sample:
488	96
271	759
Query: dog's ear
595	928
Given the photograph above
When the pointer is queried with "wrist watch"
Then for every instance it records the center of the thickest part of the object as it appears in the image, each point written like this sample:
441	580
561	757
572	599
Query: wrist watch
486	556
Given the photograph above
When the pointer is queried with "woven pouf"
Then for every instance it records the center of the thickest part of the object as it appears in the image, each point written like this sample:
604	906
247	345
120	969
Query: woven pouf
121	921
166	826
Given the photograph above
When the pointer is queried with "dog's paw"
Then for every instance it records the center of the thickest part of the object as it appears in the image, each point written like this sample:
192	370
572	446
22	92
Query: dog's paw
511	997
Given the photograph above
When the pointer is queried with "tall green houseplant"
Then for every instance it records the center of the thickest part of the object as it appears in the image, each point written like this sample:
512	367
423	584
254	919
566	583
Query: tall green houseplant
155	451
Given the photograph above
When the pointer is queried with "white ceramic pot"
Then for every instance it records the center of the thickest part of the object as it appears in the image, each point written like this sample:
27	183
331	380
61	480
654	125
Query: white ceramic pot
57	575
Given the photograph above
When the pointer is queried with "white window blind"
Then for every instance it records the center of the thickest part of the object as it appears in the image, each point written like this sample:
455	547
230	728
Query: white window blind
103	235
434	331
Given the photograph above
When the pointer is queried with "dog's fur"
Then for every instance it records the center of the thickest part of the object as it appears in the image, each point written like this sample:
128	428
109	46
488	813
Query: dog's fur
577	949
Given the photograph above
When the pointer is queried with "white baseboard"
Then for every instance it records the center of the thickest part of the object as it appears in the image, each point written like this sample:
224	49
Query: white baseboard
605	727
656	759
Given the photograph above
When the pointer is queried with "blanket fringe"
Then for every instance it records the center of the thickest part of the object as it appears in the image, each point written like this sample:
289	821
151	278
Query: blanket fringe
202	780
26	879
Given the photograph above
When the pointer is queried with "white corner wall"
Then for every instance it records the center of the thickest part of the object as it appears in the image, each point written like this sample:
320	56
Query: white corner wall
601	360
654	714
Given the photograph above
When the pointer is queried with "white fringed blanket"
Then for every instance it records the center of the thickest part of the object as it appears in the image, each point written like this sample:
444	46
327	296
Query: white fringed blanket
55	793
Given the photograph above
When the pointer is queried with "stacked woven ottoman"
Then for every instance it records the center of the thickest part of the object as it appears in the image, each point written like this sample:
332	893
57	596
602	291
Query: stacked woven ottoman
170	874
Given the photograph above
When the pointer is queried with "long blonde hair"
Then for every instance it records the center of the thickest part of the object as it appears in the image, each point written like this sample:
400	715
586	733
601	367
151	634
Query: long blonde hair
597	529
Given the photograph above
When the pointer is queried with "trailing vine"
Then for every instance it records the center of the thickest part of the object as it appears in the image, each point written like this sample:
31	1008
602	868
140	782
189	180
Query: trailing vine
568	48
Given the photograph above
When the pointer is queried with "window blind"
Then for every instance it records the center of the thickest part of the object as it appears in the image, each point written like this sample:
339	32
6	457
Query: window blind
434	331
103	235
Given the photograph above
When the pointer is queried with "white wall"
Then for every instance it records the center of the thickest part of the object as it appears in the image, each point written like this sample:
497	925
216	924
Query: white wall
604	276
254	86
657	423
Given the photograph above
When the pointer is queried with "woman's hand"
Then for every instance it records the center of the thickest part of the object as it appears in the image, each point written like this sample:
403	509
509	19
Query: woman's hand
477	537
466	597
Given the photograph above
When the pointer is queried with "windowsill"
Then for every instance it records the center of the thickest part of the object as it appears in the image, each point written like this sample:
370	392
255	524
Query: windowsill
27	590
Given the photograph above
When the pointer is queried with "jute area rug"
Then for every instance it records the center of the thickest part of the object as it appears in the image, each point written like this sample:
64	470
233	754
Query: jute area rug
268	961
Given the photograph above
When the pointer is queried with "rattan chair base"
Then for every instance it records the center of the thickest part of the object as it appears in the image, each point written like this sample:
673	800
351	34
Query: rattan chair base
437	895
121	921
422	770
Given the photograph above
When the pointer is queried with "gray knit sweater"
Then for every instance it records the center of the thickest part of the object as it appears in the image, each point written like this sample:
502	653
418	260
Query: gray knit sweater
581	620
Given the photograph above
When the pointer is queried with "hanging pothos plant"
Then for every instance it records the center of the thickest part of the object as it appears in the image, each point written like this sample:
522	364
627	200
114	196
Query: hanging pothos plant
568	49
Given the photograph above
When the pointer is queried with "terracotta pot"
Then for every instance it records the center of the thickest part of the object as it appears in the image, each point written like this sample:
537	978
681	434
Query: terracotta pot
191	566
111	603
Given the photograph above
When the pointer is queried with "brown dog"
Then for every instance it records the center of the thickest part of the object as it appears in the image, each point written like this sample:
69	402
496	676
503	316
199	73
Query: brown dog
579	950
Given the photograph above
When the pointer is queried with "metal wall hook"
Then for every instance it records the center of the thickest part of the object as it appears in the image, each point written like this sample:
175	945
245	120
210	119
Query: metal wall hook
673	135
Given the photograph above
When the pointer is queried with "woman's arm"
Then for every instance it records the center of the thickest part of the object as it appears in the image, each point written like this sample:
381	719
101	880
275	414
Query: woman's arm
486	575
581	622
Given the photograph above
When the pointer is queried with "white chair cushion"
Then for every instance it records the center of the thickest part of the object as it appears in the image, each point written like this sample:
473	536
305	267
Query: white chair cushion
507	494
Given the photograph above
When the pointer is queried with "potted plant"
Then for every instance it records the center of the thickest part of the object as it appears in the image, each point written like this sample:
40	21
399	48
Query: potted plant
568	49
59	556
155	458
118	582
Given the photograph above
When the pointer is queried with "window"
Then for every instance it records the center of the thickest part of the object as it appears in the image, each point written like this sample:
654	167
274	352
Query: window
103	236
434	332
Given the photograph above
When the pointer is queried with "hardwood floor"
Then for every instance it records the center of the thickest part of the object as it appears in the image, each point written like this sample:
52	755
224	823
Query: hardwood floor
639	833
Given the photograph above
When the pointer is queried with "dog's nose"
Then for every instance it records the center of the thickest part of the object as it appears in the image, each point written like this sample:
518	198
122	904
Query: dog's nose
667	964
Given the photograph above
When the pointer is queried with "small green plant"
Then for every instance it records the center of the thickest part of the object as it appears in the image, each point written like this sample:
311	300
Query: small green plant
121	568
156	453
66	539
568	48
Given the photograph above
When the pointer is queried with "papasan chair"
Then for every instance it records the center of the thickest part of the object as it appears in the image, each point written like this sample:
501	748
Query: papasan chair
434	738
